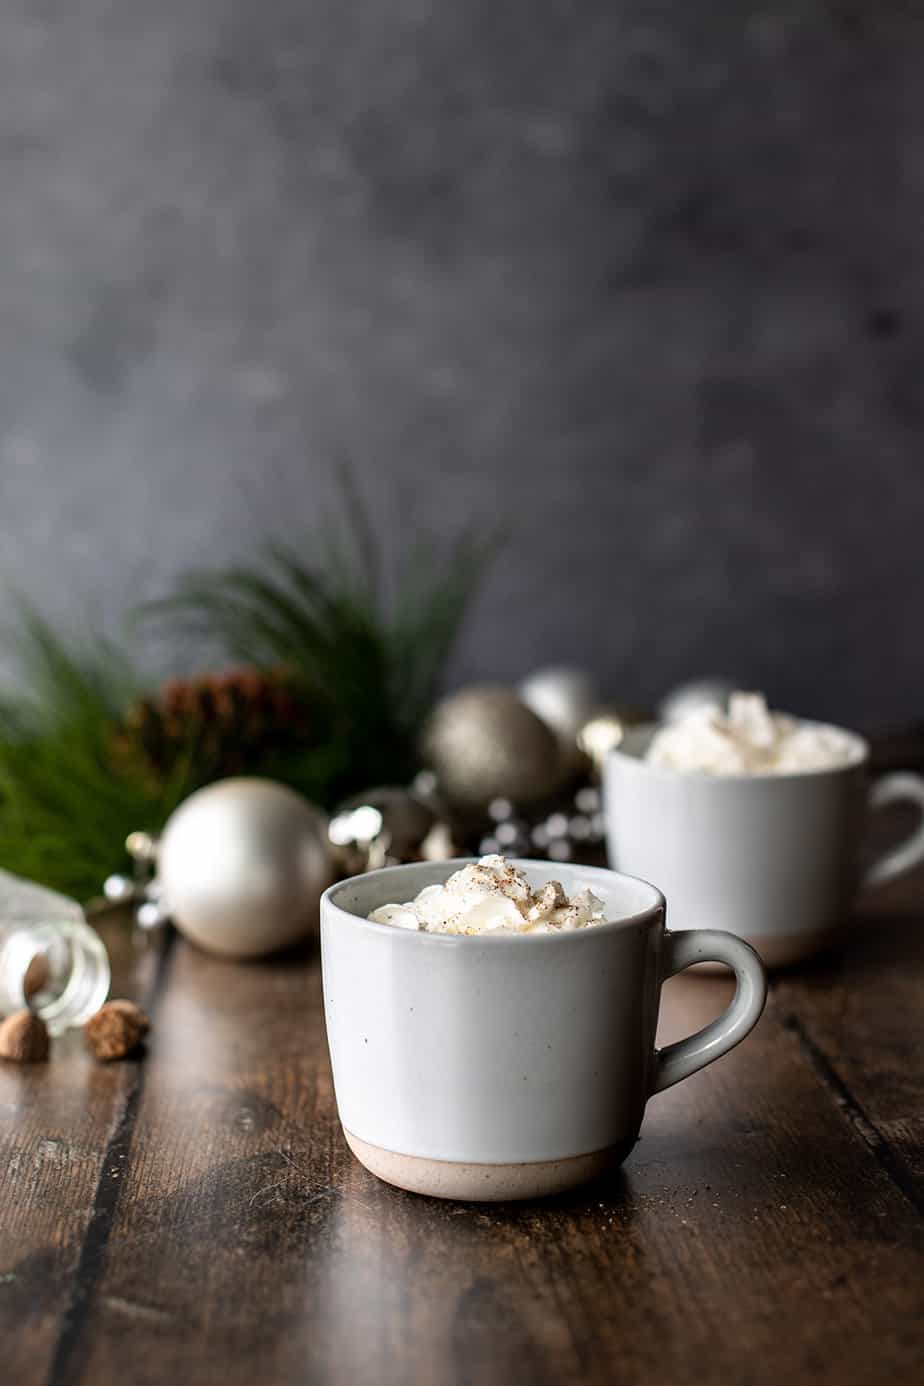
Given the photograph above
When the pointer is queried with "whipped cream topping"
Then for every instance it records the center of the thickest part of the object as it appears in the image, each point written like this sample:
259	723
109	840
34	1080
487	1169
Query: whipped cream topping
748	740
491	896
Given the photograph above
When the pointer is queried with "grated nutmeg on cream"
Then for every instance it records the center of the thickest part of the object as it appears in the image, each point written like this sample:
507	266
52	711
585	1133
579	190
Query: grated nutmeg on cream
492	896
749	740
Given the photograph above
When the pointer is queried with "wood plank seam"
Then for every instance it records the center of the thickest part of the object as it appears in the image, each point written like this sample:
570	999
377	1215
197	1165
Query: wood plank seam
889	1159
66	1367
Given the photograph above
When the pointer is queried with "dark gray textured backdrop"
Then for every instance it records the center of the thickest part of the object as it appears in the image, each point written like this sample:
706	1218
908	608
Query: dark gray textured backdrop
647	274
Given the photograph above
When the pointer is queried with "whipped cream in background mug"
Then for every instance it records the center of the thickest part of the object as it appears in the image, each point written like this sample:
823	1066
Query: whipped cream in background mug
753	821
749	739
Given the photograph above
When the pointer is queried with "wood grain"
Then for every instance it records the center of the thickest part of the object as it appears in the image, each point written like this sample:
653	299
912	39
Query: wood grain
57	1122
247	1232
208	1225
858	1013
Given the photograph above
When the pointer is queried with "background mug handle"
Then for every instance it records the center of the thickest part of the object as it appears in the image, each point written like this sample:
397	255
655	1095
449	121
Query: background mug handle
684	949
901	787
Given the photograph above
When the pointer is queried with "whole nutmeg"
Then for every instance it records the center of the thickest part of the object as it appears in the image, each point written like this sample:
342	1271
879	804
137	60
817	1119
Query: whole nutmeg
116	1030
24	1038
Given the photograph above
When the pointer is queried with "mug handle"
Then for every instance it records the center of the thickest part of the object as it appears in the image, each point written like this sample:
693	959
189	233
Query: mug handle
900	787
684	949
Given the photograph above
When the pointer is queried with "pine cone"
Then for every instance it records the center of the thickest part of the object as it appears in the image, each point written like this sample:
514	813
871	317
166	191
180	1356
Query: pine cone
218	724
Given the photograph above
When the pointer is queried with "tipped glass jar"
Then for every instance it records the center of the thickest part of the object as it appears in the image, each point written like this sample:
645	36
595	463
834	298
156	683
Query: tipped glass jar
51	960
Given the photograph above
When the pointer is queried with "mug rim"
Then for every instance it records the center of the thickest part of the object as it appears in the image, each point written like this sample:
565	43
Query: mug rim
668	772
499	938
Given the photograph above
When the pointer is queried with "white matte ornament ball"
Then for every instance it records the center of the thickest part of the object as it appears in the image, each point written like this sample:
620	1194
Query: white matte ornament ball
242	864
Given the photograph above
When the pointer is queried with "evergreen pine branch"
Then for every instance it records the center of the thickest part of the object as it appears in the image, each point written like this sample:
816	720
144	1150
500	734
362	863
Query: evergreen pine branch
367	672
64	809
370	668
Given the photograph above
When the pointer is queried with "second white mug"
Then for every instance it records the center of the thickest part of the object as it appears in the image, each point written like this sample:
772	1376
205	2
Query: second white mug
773	858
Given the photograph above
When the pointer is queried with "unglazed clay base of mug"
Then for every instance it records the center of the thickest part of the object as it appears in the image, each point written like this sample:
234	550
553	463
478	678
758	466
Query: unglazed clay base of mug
484	1183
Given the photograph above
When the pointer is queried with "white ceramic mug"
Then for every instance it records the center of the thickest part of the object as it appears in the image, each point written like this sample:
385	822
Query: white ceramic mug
509	1066
776	858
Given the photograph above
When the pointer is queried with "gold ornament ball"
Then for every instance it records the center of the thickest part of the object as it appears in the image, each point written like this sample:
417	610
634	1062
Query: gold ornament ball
242	865
484	743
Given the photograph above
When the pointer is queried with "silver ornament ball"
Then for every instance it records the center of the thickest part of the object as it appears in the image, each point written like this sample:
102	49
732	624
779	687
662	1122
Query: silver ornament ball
242	865
484	743
151	915
119	890
380	827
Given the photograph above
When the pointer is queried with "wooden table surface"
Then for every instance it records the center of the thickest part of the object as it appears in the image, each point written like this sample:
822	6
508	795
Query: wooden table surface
194	1216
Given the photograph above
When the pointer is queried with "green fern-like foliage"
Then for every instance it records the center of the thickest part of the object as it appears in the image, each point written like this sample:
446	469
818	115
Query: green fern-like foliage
64	809
365	657
369	667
